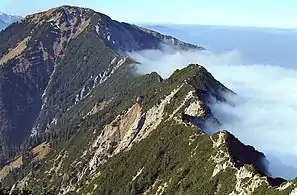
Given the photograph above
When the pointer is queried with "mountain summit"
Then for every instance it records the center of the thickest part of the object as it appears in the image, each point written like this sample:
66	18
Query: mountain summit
52	60
76	119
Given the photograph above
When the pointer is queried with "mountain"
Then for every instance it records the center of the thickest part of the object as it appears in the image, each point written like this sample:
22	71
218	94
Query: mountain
6	20
77	119
42	63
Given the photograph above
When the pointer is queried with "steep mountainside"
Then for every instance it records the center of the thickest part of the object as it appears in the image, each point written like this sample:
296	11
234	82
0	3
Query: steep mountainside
76	119
153	143
52	60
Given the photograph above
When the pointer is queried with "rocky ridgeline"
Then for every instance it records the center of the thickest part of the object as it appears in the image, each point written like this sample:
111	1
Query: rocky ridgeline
41	50
66	81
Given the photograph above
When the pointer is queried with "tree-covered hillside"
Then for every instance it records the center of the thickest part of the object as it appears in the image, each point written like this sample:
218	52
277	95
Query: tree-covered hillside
52	60
76	118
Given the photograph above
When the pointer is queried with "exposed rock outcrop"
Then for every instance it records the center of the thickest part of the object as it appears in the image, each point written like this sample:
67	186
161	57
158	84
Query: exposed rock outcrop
44	74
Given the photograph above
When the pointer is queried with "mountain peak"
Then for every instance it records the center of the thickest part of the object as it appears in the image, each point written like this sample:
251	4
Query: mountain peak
66	87
6	19
65	39
64	12
198	77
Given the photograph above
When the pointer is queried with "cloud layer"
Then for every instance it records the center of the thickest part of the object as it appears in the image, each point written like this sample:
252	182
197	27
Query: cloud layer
265	111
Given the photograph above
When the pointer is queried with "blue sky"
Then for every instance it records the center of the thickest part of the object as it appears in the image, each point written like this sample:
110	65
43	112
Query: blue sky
258	13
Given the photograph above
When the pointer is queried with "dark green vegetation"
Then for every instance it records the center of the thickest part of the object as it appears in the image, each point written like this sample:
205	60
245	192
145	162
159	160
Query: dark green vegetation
164	157
25	191
110	130
66	56
163	160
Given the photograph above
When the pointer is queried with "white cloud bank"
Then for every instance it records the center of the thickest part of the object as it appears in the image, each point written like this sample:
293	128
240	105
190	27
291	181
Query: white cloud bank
266	115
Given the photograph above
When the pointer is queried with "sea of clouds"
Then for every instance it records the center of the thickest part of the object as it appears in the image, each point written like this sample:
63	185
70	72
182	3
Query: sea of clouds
265	111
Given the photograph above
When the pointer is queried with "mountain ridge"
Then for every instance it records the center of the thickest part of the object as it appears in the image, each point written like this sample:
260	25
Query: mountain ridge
88	119
46	39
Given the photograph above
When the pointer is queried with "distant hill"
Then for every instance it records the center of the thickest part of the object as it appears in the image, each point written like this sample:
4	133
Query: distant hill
6	20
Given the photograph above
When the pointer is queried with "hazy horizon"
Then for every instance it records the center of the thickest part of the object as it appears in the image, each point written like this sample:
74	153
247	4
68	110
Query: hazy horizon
228	13
257	45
